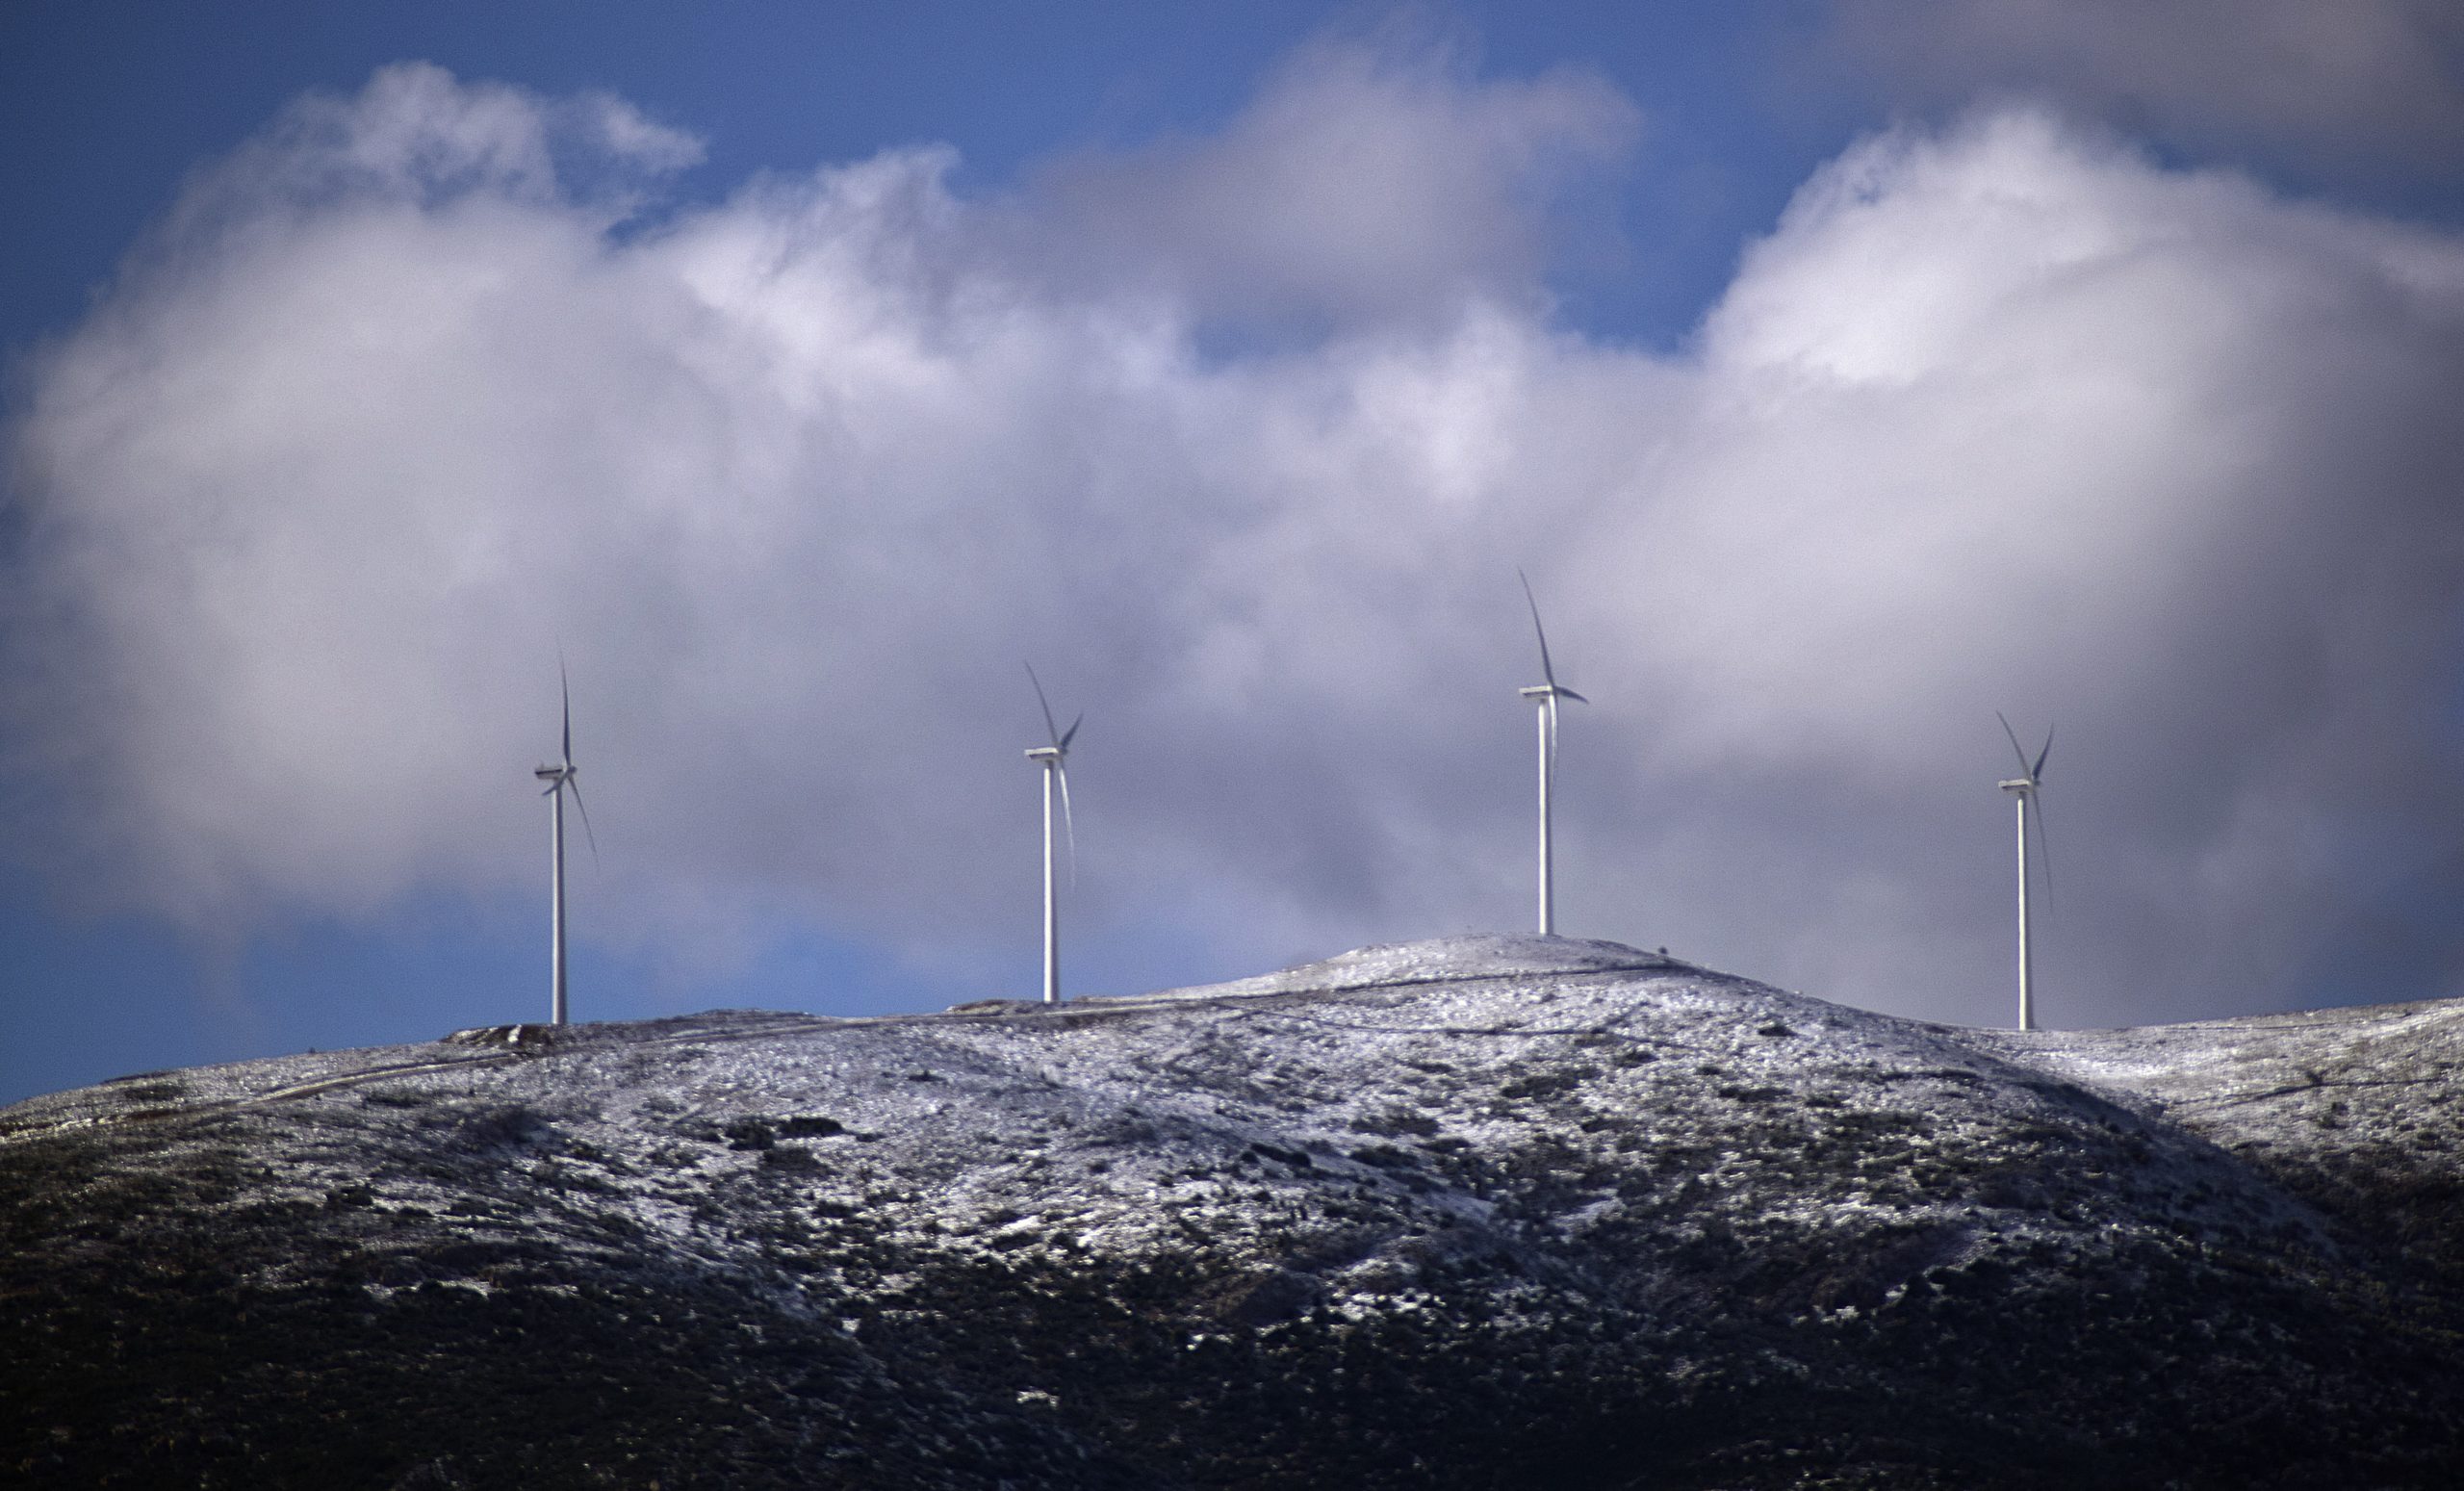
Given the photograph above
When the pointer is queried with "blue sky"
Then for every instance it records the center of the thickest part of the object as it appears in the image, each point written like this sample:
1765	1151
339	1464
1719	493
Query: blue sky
1841	374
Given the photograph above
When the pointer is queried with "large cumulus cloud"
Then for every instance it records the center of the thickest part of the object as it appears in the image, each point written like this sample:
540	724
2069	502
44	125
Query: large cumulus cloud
412	393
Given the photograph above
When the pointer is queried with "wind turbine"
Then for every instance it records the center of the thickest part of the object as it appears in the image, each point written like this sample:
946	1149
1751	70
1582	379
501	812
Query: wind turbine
2023	790
560	778
1546	696
1056	778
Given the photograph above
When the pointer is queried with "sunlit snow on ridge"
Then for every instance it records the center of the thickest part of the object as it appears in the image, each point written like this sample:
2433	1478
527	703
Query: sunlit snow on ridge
1486	955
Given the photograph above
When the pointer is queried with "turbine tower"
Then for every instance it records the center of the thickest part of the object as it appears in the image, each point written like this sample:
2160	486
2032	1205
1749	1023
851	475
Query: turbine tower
2023	790
1053	759
560	779
1546	696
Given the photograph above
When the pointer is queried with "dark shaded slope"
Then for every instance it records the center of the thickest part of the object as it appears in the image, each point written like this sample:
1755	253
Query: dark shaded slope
2356	1110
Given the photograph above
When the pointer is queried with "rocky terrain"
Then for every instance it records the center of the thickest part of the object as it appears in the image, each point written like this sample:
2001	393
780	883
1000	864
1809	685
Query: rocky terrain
1482	1212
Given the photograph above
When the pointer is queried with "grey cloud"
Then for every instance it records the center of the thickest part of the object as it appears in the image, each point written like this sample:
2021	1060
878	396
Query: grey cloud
2362	83
1365	180
1994	418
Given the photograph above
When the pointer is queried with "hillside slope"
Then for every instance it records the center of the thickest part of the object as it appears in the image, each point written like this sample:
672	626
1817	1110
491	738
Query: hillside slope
1482	1212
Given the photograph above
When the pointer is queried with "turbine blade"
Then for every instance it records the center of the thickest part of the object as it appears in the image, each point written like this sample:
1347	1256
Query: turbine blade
1072	733
1568	693
1050	729
565	688
1068	824
571	782
2044	845
1548	673
2017	749
2038	770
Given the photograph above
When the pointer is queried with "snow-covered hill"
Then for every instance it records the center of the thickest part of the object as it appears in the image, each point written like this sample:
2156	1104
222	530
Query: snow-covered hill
1473	1212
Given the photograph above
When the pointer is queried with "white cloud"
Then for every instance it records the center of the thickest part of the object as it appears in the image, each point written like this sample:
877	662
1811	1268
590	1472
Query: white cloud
1997	417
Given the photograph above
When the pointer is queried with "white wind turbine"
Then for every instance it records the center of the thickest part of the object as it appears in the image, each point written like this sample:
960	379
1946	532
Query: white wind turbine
1546	695
560	779
1056	778
2023	790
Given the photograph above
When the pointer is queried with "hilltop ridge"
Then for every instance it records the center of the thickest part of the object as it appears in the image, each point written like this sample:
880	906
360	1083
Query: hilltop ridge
1473	1212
